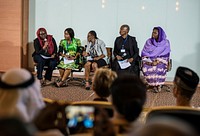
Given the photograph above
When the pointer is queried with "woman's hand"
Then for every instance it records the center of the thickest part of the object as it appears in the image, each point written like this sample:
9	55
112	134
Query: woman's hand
85	53
156	62
53	56
71	58
97	58
130	60
119	57
45	46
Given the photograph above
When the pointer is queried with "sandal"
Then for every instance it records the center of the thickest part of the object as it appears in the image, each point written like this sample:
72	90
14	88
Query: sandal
61	84
155	90
42	83
87	85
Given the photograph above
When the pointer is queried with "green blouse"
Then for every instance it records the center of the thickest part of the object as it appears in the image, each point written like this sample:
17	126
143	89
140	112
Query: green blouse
70	49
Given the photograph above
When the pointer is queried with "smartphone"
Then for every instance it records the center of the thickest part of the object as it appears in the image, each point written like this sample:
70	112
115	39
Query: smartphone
80	118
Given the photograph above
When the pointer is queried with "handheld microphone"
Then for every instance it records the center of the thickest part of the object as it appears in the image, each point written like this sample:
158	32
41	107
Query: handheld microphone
45	40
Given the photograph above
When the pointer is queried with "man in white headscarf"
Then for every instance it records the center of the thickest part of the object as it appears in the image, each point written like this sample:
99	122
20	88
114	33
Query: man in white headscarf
20	95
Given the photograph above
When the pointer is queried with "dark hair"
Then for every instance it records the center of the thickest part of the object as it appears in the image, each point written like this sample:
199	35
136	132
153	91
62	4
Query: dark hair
92	32
125	25
128	96
70	31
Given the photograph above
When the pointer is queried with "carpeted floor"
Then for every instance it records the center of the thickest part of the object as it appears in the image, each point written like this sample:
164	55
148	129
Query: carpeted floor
75	91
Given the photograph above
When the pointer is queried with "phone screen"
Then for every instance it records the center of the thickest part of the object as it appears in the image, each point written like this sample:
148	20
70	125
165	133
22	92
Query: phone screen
80	117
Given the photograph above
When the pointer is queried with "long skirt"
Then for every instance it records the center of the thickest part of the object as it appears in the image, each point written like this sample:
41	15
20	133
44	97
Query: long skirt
155	75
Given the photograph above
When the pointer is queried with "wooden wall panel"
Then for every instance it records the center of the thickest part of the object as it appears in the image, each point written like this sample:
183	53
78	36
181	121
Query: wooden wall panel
10	34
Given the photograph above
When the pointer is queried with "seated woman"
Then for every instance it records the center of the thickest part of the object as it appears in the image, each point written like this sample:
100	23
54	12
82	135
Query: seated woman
96	55
68	51
155	57
45	54
102	81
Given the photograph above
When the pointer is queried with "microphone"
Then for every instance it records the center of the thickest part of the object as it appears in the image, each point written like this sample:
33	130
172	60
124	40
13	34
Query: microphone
45	40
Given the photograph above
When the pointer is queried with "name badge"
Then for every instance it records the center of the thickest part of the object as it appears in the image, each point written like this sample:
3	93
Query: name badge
122	50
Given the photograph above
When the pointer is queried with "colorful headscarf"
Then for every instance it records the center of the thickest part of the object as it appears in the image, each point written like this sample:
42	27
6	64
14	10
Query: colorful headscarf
49	40
153	48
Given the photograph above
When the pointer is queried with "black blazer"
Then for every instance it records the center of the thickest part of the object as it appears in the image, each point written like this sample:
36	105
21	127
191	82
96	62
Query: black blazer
130	47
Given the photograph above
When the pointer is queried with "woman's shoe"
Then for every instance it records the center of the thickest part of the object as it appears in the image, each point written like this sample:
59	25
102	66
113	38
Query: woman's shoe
159	88
87	85
42	82
155	90
61	84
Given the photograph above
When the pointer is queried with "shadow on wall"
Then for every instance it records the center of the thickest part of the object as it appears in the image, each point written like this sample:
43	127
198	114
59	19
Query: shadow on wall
198	57
192	60
10	55
30	59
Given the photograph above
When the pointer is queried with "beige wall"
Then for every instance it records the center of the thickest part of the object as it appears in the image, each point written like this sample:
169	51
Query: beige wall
13	39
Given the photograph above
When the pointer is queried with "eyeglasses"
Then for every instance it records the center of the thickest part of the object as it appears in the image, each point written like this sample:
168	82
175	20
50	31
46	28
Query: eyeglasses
42	33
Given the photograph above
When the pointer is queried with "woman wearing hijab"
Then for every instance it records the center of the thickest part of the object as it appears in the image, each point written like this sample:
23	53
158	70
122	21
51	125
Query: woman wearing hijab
155	57
20	95
45	54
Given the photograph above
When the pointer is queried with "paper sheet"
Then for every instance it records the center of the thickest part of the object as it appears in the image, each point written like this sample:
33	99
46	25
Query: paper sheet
66	61
147	60
45	57
124	64
89	58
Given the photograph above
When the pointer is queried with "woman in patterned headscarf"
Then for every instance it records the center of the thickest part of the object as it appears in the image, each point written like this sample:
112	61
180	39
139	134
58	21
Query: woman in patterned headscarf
155	57
68	51
45	54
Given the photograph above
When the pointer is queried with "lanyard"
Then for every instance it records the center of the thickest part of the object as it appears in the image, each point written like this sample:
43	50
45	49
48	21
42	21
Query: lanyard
124	42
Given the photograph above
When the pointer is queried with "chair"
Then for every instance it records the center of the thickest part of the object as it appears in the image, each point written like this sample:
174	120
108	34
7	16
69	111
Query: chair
187	114
109	57
97	104
169	68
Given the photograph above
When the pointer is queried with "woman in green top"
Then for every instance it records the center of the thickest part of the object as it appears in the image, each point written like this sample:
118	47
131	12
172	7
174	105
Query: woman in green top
68	53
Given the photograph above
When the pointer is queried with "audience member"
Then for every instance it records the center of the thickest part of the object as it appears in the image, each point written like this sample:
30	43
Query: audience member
102	81
103	125
15	127
45	54
155	57
52	120
185	84
96	55
128	97
68	51
165	126
126	49
20	95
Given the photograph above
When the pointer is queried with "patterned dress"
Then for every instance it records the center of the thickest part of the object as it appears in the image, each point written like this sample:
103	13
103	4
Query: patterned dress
155	75
70	49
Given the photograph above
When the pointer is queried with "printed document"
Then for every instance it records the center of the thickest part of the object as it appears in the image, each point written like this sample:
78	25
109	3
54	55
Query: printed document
66	61
124	64
45	57
89	58
147	60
